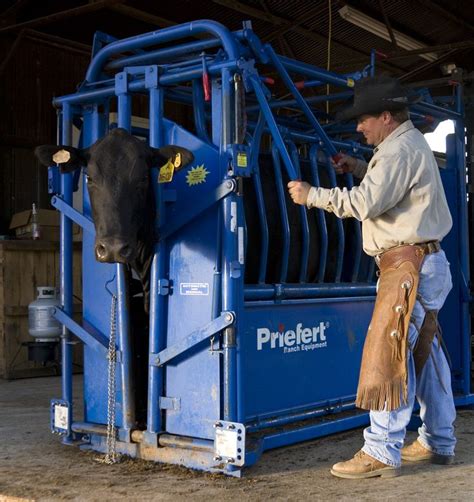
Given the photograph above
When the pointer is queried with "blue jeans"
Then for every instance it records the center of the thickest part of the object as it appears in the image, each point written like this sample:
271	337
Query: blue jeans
385	436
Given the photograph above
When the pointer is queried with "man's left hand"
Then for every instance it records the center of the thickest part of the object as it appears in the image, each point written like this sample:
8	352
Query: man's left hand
299	191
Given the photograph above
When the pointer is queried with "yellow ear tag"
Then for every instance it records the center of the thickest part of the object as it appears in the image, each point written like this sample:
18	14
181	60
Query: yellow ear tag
166	172
61	156
177	160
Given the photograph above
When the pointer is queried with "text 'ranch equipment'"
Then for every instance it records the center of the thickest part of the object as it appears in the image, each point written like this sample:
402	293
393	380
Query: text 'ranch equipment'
258	308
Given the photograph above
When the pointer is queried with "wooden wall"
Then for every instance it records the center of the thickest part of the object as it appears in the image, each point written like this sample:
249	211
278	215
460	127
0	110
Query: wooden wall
24	265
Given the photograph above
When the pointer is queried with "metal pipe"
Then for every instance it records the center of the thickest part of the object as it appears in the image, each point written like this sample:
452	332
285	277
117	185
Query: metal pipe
65	272
329	409
328	145
304	220
154	57
357	248
283	214
323	231
123	304
165	35
288	291
340	227
273	127
257	182
199	112
157	323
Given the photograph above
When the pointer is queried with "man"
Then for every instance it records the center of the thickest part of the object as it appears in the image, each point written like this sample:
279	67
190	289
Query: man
404	213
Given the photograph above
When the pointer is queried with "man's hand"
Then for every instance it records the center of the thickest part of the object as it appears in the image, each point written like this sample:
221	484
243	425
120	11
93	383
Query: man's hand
346	164
299	191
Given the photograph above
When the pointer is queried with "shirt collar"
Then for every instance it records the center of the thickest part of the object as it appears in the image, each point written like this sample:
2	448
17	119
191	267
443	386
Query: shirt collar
401	129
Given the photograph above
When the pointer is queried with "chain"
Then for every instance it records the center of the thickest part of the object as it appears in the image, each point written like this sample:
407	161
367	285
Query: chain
111	456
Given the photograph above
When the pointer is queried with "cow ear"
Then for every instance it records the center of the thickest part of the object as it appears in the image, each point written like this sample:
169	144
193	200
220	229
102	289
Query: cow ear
68	158
178	156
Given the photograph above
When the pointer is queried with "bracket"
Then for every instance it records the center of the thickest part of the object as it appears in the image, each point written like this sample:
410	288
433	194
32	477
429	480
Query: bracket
229	443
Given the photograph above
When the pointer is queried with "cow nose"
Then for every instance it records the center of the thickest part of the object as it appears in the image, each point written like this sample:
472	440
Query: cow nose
125	252
102	252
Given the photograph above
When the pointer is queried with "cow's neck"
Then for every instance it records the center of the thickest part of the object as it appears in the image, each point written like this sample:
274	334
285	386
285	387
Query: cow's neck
146	240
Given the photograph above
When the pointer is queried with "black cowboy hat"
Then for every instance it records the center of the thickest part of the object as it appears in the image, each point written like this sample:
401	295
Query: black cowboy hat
374	95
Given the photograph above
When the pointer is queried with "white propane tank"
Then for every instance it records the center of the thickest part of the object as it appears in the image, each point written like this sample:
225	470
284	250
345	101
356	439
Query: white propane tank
41	323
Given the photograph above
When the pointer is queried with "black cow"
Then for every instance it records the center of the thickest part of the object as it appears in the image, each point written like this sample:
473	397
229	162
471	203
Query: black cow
122	197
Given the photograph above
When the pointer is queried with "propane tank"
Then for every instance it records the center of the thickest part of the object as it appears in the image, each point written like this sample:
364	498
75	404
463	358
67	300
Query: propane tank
42	325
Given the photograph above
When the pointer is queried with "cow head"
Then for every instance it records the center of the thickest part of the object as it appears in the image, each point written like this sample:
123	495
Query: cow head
118	181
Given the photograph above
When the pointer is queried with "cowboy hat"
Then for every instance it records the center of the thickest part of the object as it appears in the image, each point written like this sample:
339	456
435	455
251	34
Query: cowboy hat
373	95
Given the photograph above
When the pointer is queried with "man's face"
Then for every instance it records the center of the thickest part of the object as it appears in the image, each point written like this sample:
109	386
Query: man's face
374	128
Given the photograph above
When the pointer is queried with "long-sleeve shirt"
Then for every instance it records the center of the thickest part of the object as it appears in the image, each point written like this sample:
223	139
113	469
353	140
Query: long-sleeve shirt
400	199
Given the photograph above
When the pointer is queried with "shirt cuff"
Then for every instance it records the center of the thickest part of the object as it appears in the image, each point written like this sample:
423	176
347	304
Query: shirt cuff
360	169
317	197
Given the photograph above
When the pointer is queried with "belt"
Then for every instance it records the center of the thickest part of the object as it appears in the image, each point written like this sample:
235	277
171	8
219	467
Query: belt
423	248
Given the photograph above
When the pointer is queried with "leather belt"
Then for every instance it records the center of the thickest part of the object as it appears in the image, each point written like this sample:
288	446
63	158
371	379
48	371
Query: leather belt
423	248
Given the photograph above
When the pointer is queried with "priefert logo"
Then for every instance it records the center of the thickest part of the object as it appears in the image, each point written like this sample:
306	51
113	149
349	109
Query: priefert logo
295	340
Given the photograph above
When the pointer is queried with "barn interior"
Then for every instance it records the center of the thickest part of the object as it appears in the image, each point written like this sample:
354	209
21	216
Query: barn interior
45	52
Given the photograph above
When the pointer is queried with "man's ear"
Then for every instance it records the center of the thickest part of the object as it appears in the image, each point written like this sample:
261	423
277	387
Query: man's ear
68	158
179	157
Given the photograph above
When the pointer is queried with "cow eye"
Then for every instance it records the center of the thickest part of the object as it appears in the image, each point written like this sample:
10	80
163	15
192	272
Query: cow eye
89	180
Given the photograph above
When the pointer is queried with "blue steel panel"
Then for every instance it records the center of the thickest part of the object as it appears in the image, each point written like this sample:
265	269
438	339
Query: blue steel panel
319	361
194	378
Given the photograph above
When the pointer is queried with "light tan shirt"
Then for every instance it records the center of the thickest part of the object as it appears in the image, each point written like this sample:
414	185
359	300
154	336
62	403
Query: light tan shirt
400	199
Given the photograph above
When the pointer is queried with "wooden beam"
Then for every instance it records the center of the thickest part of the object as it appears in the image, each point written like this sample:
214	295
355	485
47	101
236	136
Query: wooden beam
143	16
282	22
58	16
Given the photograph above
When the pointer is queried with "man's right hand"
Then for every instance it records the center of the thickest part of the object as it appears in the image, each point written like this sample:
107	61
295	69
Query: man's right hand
346	164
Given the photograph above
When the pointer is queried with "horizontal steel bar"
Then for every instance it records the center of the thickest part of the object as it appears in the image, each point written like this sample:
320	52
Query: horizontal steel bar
87	336
191	340
313	431
73	214
267	292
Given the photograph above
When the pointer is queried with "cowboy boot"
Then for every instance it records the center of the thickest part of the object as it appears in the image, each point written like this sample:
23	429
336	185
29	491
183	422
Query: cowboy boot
364	466
416	452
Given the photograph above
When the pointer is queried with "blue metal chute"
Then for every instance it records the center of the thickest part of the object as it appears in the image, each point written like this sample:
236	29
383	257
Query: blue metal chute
258	308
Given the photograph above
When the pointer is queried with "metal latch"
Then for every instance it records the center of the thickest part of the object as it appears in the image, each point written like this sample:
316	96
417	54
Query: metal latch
229	443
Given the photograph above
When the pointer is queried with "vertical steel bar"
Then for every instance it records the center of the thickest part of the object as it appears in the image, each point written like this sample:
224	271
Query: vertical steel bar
323	230
357	248
304	219
283	214
65	271
340	228
158	302
463	239
262	214
123	304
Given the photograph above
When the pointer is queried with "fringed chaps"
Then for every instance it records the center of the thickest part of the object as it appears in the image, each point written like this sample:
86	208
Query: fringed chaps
383	373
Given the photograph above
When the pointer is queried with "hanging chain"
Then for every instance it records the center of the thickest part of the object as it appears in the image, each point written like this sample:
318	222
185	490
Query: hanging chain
111	456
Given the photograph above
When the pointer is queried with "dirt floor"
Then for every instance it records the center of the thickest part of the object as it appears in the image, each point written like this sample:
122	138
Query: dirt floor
34	465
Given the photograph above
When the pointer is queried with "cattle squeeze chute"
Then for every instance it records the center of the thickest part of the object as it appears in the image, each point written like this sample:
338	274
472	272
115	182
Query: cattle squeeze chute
258	308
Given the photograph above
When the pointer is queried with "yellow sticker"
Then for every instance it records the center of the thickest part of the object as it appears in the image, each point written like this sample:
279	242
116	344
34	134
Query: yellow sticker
166	172
241	160
350	82
177	160
196	175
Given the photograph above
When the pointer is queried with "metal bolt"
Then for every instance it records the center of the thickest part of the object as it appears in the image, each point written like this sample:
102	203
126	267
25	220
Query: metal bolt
230	460
151	70
394	333
157	360
231	426
229	184
406	285
217	424
229	317
399	309
217	458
